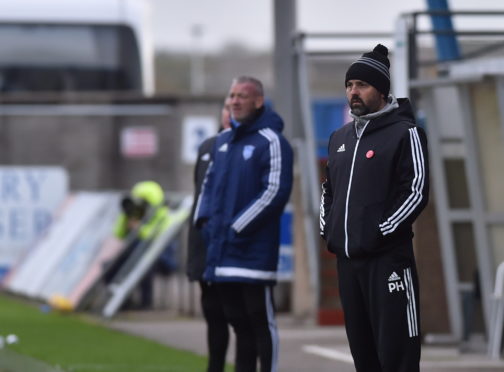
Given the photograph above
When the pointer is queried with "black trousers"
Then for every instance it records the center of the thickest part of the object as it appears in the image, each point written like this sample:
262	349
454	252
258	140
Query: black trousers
217	327
381	306
250	310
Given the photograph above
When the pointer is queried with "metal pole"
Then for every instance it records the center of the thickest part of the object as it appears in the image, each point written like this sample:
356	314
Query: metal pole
446	45
308	162
283	96
444	222
499	81
400	72
484	253
497	320
197	66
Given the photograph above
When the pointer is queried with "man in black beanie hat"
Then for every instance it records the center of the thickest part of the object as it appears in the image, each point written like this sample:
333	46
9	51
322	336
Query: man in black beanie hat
376	186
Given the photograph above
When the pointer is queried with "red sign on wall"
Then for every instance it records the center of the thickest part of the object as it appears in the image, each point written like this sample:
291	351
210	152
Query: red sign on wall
139	142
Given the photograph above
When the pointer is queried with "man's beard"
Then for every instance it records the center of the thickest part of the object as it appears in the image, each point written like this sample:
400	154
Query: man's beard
358	107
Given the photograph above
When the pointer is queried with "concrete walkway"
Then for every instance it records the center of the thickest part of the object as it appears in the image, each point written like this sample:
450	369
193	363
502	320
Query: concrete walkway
303	347
10	361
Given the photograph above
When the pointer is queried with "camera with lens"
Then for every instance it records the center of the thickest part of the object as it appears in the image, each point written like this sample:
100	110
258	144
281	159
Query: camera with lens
132	208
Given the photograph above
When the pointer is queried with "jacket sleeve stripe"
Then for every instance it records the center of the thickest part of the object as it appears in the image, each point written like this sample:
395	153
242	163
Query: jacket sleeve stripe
273	182
245	273
322	209
414	199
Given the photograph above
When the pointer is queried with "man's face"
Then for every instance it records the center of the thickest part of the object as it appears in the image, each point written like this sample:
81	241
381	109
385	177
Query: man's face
244	100
363	98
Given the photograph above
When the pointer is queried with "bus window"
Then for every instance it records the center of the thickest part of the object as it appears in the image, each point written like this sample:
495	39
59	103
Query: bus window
59	57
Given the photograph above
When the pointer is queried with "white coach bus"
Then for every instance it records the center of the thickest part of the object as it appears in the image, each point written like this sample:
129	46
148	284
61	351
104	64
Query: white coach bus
75	45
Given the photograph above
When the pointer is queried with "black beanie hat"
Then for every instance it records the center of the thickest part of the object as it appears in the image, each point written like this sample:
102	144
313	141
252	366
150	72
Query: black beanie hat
373	68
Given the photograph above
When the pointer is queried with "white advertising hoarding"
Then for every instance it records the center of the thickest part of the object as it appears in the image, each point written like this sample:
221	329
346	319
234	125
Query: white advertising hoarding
29	197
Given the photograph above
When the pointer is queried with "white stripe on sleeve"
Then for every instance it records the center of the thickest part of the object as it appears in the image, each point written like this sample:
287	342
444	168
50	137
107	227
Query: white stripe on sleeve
273	182
417	185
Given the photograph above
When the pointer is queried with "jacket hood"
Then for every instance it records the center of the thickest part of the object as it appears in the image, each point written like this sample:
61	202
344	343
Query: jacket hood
267	119
402	113
392	104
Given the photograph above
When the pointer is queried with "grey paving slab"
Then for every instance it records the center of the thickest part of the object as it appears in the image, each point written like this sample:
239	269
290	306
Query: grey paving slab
303	347
11	361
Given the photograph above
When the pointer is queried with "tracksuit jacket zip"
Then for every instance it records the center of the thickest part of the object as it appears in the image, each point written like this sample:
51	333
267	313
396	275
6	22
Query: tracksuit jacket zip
349	188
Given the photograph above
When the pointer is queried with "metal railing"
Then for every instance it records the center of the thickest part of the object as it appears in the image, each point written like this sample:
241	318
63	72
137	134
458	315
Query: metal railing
497	315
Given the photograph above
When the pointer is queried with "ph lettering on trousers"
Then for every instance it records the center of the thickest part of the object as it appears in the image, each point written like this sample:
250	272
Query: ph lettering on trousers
395	286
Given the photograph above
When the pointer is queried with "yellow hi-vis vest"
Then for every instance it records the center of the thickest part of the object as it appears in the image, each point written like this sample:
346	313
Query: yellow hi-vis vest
159	221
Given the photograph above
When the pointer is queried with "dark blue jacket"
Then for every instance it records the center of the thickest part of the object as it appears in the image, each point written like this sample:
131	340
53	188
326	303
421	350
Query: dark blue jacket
242	200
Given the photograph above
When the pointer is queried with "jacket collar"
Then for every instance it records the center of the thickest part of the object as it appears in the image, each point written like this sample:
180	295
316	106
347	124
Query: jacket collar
265	117
397	109
392	104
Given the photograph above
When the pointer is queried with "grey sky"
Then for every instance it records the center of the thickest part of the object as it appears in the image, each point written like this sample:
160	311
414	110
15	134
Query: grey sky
250	22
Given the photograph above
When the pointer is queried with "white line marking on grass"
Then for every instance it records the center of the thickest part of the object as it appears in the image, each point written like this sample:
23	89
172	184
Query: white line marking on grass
463	363
459	363
328	353
106	367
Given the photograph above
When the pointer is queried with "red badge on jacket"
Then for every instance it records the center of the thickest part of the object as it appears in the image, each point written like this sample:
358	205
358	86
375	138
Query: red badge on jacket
369	154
